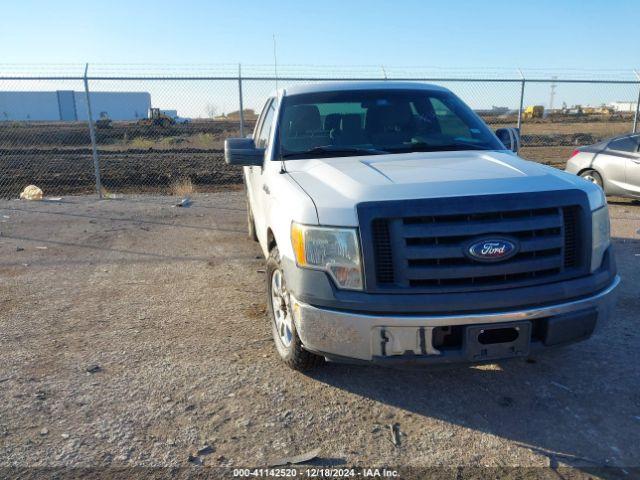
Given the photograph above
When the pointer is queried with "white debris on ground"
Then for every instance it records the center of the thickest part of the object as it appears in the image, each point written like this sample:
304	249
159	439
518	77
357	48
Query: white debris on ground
31	192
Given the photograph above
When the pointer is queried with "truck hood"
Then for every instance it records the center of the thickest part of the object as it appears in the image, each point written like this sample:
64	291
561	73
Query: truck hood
337	185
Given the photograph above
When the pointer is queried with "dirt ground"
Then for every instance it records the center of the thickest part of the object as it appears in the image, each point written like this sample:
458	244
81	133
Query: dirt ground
134	333
57	156
67	173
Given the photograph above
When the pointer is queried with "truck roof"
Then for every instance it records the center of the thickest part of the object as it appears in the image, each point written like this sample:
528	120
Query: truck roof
356	85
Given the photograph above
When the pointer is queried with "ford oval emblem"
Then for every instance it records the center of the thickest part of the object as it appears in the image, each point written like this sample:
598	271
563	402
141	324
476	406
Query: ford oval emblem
492	249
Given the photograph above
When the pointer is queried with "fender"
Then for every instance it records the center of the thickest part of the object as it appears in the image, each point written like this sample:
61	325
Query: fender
287	202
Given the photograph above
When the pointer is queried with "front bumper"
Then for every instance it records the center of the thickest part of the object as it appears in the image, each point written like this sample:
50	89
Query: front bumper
348	336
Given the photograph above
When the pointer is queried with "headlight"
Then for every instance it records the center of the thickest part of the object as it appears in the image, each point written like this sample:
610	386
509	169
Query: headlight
600	237
596	196
334	250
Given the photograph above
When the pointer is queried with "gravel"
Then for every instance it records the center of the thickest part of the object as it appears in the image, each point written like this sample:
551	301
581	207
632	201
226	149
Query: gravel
139	337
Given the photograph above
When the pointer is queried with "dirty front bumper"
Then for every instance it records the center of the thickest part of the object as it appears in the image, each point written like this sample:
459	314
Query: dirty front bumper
388	339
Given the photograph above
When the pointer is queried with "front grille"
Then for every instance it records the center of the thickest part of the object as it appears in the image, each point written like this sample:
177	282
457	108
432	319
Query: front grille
382	247
425	250
571	218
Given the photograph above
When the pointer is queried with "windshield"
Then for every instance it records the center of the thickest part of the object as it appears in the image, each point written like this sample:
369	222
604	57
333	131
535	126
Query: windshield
369	122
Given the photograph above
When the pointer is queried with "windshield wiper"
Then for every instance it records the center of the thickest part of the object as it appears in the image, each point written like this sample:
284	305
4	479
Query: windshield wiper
334	150
425	147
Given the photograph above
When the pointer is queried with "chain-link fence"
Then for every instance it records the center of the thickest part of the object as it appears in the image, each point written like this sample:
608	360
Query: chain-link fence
129	132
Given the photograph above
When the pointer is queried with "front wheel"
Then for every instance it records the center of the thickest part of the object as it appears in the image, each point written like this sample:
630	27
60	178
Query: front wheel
285	337
593	177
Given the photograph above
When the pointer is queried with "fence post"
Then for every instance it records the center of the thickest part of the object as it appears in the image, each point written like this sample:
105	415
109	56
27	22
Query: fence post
521	103
635	117
240	98
92	134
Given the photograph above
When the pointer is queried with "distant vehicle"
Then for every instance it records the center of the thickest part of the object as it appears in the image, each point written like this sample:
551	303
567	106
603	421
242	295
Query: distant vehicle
156	118
104	121
613	164
174	115
533	111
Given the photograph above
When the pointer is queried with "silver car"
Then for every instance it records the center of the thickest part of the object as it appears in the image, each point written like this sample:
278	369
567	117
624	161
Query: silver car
613	164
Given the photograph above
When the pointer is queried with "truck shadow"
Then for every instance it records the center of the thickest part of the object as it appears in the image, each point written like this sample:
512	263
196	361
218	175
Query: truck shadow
544	406
577	405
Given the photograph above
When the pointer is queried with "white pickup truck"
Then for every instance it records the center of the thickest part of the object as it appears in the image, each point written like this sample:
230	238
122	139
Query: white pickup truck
398	229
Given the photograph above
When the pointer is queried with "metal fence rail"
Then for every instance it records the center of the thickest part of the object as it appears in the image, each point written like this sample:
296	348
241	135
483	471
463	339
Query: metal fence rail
83	144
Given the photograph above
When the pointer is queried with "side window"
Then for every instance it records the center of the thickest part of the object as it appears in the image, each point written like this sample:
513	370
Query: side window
260	121
265	128
625	144
451	124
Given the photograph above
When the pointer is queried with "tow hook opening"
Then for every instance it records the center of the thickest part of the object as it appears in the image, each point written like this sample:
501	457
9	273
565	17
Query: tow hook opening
498	335
383	341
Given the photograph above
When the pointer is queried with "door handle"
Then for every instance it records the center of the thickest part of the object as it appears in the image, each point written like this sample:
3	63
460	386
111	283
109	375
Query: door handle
266	189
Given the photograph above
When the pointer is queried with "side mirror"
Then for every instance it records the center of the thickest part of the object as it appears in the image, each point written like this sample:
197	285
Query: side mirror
510	138
243	152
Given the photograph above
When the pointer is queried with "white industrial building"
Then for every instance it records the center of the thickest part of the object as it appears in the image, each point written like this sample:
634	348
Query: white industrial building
623	106
69	106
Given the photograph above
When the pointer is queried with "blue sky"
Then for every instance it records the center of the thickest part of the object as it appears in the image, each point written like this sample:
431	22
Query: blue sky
446	33
439	36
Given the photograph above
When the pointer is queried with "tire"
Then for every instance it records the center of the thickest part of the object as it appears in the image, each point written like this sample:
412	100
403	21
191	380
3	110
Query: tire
285	337
593	177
